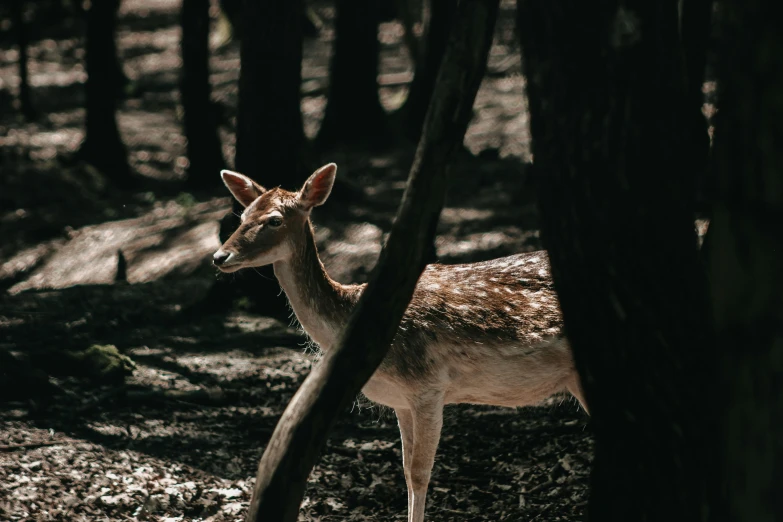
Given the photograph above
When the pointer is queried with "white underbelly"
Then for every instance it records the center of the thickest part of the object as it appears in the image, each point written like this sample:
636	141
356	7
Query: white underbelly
501	375
386	392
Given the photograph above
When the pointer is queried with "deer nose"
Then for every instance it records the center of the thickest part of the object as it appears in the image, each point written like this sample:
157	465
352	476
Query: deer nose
220	257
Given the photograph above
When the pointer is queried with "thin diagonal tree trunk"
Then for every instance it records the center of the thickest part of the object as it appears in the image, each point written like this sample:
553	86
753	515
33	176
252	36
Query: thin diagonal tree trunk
301	433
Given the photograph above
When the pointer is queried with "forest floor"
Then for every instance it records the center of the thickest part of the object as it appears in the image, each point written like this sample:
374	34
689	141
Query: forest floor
181	438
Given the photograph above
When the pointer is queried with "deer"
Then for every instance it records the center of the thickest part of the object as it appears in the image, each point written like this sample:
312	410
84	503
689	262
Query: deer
482	333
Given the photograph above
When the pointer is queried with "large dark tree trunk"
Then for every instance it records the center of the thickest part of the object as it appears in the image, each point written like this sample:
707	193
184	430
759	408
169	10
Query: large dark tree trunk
270	135
441	16
302	431
200	118
745	253
269	122
609	105
353	110
20	25
103	146
696	31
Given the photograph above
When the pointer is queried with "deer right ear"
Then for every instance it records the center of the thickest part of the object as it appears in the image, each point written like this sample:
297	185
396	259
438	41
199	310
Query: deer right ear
318	187
244	189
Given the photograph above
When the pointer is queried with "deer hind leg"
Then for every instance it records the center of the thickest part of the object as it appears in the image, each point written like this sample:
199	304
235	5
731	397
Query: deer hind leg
427	423
405	420
574	385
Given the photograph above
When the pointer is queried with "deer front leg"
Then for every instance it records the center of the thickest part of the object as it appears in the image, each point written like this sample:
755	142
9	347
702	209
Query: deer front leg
405	420
427	423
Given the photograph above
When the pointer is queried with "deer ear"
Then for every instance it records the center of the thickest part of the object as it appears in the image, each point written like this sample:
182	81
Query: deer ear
318	186
244	189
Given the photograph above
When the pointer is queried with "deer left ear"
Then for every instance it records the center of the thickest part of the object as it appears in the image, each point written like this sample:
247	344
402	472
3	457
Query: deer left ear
317	188
244	189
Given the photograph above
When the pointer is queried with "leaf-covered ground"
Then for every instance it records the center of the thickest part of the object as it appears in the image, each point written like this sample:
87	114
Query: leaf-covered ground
180	440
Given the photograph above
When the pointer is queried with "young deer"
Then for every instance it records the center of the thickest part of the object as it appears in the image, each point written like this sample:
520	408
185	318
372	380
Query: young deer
481	333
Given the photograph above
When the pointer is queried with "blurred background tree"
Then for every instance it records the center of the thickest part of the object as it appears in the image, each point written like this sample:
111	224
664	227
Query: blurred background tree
20	26
205	157
427	64
270	135
354	114
103	146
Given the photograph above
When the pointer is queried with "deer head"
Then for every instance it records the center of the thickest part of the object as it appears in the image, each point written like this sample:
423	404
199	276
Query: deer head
273	220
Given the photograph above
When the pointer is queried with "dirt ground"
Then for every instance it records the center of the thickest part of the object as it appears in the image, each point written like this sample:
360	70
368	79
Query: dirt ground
180	440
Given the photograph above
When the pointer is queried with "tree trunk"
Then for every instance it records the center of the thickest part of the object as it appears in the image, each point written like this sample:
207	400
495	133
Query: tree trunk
103	146
200	118
25	104
353	110
410	12
270	136
302	431
608	101
696	32
269	122
745	254
441	16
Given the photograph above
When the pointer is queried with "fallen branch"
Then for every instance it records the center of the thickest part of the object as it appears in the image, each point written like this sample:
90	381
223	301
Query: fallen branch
199	397
7	448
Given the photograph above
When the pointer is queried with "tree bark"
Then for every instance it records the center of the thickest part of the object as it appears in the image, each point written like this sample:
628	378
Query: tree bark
696	32
25	103
301	433
353	110
608	101
103	146
745	259
410	12
441	17
269	122
200	118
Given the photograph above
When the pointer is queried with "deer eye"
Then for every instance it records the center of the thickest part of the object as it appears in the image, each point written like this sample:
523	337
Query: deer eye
275	221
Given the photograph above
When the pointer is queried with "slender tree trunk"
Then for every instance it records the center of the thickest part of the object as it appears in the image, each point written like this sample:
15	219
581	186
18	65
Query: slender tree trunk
200	118
410	12
608	101
745	253
353	110
302	431
20	25
103	146
441	16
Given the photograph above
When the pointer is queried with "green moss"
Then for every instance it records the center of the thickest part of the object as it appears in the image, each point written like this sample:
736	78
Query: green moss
103	362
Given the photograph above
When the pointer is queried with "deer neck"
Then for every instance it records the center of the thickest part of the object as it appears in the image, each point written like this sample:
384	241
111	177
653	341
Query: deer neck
321	304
